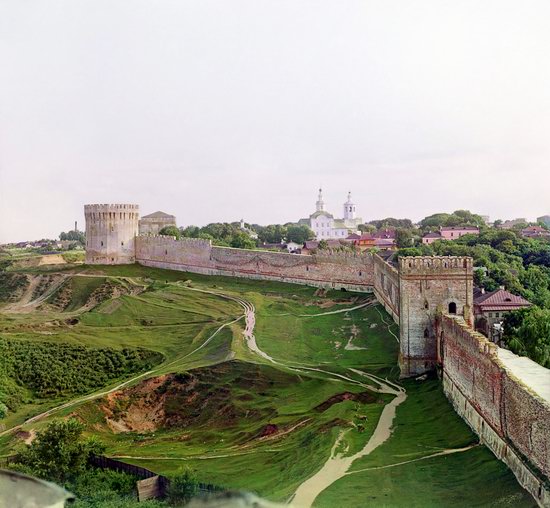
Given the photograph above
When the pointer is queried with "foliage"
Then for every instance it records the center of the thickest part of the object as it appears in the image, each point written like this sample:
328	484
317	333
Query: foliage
51	369
403	238
390	222
170	231
527	333
323	245
274	233
59	451
3	410
457	218
223	234
299	233
76	236
182	488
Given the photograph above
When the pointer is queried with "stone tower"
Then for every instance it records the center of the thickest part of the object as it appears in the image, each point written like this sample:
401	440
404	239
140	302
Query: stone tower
428	285
349	208
110	233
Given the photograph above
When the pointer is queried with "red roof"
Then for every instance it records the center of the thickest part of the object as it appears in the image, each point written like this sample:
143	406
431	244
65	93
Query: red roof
384	233
500	299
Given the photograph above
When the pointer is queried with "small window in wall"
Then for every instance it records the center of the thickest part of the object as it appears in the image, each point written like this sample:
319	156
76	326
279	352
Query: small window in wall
307	268
426	305
452	308
360	274
122	243
166	252
102	244
426	333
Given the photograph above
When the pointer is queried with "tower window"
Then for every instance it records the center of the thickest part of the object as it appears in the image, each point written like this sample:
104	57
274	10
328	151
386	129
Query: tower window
426	333
452	308
122	243
102	244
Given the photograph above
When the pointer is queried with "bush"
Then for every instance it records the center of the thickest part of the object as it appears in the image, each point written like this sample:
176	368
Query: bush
182	488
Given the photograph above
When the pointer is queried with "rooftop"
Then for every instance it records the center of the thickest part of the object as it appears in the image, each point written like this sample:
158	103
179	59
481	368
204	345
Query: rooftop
500	299
158	215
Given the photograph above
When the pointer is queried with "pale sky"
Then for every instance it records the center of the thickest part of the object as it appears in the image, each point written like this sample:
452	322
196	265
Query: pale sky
217	110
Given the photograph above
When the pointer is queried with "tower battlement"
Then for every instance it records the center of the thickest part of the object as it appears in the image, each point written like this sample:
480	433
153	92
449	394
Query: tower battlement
435	266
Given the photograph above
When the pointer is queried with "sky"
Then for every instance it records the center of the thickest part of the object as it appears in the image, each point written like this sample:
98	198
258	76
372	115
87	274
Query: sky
217	110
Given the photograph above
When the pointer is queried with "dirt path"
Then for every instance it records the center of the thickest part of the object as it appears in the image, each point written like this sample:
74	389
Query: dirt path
338	465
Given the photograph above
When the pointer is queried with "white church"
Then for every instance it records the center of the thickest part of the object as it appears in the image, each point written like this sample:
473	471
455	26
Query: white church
325	226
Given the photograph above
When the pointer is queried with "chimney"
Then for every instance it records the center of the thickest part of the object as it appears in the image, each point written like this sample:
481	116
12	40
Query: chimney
75	226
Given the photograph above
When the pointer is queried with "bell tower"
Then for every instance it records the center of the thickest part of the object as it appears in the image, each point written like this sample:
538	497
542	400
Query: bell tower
349	208
320	205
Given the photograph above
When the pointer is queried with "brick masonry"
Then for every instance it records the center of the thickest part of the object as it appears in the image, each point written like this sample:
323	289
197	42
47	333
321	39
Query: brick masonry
512	420
352	272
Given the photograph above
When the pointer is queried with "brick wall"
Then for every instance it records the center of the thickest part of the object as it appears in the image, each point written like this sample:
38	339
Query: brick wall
353	272
510	419
386	286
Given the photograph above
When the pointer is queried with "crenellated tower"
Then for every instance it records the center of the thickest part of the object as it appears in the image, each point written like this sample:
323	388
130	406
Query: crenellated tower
428	285
110	233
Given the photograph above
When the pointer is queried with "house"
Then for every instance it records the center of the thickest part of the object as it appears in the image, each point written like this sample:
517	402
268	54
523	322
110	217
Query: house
312	245
363	241
535	232
510	224
151	224
490	309
455	232
545	219
429	238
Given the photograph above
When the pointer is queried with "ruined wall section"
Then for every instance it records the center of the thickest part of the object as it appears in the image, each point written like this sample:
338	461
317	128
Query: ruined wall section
110	233
353	272
429	284
386	286
510	418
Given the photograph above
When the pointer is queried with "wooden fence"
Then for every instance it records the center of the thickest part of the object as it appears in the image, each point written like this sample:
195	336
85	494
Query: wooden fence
156	486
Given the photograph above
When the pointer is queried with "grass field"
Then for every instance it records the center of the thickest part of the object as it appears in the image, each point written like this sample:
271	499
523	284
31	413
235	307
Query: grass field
259	415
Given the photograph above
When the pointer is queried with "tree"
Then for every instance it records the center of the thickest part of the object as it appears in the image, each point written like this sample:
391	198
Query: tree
274	233
323	245
59	451
170	231
299	234
242	240
183	487
403	238
527	332
3	410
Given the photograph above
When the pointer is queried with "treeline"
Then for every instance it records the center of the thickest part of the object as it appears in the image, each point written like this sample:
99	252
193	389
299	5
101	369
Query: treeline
50	370
225	234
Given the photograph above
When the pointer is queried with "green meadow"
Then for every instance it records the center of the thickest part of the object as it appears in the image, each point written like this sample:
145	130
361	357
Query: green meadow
198	393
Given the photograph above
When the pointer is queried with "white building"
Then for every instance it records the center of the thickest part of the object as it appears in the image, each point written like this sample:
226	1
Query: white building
325	226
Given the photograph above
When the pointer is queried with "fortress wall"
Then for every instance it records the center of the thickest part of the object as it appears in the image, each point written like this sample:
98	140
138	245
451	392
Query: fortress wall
353	272
386	286
512	420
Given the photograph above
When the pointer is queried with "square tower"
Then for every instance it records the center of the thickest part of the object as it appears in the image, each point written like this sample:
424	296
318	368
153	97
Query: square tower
428	285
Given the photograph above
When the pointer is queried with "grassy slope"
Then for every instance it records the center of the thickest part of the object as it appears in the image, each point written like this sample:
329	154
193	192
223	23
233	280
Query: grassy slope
174	320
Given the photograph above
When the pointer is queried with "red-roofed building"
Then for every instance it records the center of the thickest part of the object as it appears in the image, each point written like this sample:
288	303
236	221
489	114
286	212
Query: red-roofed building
535	232
490	309
362	242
